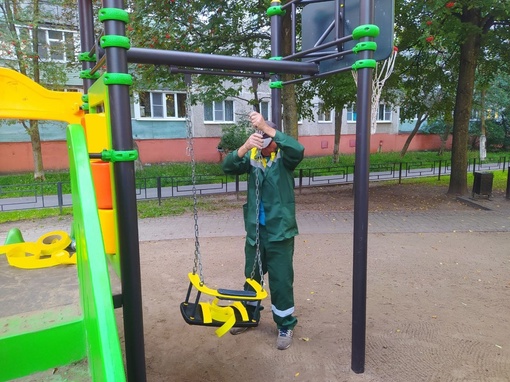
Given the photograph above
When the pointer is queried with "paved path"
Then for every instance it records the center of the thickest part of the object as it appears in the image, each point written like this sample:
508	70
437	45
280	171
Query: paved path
312	222
230	223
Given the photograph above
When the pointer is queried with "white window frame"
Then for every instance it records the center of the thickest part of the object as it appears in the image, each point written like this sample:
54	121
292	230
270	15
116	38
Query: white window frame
265	110
351	113
322	115
163	104
384	111
45	45
218	111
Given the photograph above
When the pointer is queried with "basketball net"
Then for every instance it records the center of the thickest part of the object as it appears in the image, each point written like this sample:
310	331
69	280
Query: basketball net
382	72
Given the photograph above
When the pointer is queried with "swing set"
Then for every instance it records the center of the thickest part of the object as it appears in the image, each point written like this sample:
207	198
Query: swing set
216	313
340	36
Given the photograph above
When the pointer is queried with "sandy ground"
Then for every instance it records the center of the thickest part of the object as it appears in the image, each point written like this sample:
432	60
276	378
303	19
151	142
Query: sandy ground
436	311
437	302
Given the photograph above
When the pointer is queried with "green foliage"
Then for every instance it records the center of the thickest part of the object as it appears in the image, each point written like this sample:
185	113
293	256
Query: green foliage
232	28
496	135
235	135
437	126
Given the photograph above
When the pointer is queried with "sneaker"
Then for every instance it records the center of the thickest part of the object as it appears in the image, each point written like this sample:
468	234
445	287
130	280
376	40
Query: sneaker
239	330
284	339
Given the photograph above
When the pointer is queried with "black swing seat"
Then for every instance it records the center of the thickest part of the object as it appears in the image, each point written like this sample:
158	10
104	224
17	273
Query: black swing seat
222	316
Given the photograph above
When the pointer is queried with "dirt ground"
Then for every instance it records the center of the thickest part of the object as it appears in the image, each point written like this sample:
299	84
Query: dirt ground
437	303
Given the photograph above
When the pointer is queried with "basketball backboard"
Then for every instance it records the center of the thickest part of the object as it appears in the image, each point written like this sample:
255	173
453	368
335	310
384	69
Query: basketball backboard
318	25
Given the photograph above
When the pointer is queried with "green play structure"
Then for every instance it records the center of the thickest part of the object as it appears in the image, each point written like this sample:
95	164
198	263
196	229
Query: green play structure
42	340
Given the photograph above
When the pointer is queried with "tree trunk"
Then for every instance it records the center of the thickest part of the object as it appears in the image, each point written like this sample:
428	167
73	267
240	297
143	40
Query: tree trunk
469	51
444	138
35	139
138	161
419	121
338	132
33	128
255	91
289	101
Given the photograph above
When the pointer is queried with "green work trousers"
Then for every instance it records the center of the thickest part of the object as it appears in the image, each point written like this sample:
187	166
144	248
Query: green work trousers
276	258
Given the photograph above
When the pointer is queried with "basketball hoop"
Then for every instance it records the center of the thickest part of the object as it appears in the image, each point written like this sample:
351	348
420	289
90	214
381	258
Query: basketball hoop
382	72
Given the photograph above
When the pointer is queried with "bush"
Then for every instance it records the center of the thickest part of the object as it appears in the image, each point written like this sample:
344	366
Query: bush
235	135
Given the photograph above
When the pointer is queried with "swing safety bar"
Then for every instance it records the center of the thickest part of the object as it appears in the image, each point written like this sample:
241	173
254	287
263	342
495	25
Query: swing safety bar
258	292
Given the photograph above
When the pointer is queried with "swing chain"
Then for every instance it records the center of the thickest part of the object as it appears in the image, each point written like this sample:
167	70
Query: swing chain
258	260
189	136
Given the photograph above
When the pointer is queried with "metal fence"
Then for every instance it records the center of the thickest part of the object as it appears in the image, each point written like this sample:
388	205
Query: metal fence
57	194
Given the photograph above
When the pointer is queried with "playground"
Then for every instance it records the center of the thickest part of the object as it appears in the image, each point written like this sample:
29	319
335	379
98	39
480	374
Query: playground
433	309
436	304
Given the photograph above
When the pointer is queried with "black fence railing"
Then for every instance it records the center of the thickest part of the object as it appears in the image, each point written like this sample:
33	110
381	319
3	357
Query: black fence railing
58	195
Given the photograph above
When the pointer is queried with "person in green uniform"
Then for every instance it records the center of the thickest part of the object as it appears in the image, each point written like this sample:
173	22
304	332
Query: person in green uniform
270	157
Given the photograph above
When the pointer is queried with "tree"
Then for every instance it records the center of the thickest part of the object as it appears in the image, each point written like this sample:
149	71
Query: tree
235	135
233	28
457	32
31	45
492	100
423	81
336	92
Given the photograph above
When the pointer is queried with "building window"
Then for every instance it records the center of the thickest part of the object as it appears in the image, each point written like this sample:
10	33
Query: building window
264	110
56	45
324	115
222	111
162	105
351	113
384	114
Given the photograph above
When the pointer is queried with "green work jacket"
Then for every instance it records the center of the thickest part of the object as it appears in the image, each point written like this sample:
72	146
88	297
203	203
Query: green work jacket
276	187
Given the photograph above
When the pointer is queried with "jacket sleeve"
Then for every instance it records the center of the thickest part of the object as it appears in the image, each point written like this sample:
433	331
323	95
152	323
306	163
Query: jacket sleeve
233	165
293	151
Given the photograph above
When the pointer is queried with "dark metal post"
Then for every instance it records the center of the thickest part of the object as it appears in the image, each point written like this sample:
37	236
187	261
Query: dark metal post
158	188
86	14
125	192
300	180
276	51
60	197
361	184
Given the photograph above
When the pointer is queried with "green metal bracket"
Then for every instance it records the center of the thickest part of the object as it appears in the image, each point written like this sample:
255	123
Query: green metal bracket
275	10
87	57
85	74
115	41
276	84
118	79
367	30
366	45
360	64
275	58
117	14
119	156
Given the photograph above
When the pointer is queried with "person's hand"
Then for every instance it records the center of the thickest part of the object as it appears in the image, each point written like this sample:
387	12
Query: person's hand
254	140
258	121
